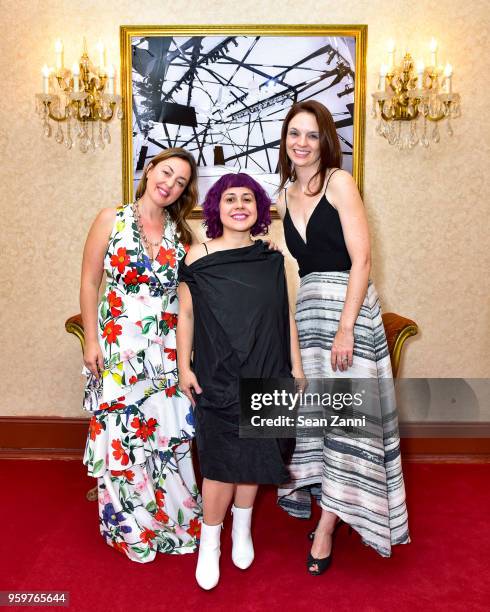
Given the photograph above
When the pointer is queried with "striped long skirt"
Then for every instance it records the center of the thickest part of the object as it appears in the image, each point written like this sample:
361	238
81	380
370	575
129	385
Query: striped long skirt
358	479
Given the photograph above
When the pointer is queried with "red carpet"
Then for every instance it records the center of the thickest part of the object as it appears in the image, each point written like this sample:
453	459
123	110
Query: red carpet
50	541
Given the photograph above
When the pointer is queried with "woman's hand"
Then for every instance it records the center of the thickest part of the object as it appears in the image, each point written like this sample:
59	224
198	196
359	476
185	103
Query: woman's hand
93	358
300	382
342	350
188	385
271	245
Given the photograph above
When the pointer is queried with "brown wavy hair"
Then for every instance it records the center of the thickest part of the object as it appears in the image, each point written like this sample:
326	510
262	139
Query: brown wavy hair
330	151
182	207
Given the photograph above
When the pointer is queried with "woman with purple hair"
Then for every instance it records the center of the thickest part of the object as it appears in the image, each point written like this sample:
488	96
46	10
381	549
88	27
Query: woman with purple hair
234	312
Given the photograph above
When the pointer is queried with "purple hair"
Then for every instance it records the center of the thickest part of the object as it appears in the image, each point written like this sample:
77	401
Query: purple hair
212	222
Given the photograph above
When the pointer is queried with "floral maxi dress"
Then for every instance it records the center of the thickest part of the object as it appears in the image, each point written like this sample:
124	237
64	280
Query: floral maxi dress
138	444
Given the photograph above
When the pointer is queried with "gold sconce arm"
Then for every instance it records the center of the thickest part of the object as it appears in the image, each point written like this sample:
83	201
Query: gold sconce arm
108	118
57	118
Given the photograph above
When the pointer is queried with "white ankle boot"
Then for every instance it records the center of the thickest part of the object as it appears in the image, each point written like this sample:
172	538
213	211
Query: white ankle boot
242	551
207	570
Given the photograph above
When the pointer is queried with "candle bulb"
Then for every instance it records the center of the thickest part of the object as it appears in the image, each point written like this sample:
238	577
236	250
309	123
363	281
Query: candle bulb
382	77
58	49
391	54
110	84
45	73
433	52
76	74
420	74
448	85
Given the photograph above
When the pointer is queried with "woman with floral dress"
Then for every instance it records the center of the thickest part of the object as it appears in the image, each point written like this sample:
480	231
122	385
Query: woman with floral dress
138	446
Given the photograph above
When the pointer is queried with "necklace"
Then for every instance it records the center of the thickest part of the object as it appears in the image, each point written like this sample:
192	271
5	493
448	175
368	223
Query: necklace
147	242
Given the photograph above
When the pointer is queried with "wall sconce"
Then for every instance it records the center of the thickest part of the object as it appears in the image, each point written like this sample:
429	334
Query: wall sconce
82	99
410	95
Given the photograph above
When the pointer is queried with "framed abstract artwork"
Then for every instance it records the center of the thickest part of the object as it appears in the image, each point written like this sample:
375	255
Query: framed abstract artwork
222	93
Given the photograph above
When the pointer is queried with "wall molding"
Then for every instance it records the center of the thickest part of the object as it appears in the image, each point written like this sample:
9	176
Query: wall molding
42	437
64	438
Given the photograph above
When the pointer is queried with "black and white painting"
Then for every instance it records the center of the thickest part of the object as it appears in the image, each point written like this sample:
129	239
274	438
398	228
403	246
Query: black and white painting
224	98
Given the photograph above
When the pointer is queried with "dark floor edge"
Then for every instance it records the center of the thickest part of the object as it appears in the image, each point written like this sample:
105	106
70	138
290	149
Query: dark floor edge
64	438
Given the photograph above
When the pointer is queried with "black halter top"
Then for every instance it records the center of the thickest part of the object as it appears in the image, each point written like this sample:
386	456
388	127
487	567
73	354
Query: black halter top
324	249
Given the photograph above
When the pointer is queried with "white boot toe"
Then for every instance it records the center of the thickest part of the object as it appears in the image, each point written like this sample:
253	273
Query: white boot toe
242	552
207	570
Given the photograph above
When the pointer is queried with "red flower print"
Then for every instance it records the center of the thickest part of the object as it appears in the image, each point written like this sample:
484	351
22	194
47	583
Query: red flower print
117	406
128	474
113	406
131	277
111	331
160	498
187	247
94	428
115	303
194	528
133	380
170	319
171	353
171	391
120	260
144	430
147	535
121	547
166	257
161	516
119	453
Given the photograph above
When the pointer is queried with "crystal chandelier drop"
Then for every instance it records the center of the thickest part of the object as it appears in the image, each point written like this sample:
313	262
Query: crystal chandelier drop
82	100
413	100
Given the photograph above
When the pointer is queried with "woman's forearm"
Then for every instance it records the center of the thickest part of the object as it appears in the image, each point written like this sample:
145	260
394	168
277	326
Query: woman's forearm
93	270
356	292
296	363
89	296
185	337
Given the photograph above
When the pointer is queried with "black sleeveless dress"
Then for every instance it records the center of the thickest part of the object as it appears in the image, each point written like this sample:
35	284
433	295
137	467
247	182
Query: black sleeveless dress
325	249
241	330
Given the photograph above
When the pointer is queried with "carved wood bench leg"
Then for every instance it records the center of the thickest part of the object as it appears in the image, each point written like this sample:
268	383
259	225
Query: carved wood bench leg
92	495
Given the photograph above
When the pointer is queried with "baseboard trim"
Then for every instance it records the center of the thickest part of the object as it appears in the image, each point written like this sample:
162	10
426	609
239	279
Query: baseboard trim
64	439
451	429
42	437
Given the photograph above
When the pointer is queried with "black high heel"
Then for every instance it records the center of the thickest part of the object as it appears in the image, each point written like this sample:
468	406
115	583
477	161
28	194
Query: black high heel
340	522
321	564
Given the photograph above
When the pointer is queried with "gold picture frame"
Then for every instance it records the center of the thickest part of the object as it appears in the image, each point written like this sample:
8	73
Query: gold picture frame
164	69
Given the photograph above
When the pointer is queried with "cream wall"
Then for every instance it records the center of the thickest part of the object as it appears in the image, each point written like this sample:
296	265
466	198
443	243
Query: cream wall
428	209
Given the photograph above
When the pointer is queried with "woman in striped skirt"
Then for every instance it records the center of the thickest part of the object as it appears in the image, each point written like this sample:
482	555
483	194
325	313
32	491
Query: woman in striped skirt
357	480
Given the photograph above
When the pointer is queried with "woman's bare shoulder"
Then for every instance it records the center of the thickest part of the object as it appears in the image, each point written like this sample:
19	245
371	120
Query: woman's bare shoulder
341	178
104	222
107	215
195	252
342	190
281	203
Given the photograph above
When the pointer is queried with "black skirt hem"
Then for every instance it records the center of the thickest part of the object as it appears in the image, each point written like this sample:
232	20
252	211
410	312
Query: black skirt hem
244	478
